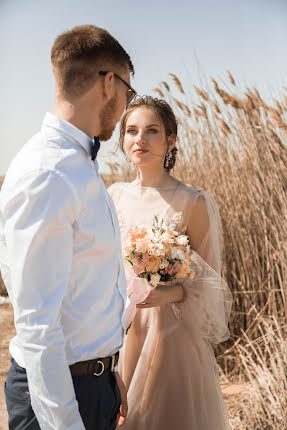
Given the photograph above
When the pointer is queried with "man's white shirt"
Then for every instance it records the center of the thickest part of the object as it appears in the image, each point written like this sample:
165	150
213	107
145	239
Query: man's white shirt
60	258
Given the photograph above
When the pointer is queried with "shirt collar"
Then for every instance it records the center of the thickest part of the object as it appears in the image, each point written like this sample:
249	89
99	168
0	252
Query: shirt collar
69	129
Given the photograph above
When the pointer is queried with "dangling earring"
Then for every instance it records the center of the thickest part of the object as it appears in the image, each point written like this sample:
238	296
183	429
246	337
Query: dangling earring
167	159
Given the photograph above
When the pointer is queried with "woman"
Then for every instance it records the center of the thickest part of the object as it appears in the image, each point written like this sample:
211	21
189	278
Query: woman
167	362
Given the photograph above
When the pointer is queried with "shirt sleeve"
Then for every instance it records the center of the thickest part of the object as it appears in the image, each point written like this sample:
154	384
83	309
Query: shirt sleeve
39	217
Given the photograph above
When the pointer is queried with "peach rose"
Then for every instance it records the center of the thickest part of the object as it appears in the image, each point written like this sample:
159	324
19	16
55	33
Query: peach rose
152	266
191	275
139	262
172	269
184	270
137	233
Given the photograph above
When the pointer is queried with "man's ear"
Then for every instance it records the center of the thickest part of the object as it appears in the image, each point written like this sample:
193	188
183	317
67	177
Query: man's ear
109	84
171	142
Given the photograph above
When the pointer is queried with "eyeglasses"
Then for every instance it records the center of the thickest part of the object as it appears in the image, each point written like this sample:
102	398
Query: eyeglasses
130	93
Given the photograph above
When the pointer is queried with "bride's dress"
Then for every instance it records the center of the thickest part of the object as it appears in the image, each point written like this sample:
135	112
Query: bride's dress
167	362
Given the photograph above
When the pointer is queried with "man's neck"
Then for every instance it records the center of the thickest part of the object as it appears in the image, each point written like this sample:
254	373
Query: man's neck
77	115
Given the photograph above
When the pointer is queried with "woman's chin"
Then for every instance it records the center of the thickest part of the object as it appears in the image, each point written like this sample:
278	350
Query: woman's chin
141	163
140	160
145	160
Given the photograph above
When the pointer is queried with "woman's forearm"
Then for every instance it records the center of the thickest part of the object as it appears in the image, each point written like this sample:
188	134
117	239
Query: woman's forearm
178	293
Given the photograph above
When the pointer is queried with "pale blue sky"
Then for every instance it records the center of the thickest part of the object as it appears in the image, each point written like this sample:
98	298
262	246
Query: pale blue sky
248	37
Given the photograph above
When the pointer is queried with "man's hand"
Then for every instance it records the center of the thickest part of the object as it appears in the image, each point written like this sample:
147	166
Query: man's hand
123	411
163	295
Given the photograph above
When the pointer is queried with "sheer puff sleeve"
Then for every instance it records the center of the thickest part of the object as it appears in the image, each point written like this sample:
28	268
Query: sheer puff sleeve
208	300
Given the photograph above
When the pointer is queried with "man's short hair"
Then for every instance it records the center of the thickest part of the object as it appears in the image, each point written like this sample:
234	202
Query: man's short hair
80	53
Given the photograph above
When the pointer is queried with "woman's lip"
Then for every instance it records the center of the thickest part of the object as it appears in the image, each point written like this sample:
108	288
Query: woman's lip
141	150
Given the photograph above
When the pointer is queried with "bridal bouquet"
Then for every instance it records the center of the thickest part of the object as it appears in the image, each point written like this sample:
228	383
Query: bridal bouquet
152	255
158	254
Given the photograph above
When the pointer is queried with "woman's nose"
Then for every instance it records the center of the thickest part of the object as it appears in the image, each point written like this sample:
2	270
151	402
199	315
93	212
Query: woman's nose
140	139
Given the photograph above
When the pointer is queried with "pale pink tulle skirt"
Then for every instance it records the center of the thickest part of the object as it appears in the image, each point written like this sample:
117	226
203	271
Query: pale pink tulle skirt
171	375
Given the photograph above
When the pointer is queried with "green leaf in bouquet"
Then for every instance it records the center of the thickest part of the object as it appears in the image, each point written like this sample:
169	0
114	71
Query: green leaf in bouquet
166	277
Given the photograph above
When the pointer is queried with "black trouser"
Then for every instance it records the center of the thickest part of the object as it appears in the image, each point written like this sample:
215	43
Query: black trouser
98	397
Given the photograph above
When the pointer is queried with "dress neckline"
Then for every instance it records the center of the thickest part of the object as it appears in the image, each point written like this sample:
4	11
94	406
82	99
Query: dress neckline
169	187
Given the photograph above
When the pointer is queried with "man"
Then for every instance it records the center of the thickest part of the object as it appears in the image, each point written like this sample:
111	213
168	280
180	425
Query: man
60	249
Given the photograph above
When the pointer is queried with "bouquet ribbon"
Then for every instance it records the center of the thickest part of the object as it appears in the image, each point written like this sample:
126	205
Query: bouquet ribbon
138	290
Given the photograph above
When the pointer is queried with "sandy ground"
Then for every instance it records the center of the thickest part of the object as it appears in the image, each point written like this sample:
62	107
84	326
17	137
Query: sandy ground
231	392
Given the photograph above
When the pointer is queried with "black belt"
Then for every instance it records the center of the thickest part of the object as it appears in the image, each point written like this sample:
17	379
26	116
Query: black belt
95	367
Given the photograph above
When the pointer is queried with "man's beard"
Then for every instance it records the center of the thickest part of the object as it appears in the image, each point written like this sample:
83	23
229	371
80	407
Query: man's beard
107	119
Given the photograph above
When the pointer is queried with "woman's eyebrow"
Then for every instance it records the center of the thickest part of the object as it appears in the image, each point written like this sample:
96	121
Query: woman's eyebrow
150	125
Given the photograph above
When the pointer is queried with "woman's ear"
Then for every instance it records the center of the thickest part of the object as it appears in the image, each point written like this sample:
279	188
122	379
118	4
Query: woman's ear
171	142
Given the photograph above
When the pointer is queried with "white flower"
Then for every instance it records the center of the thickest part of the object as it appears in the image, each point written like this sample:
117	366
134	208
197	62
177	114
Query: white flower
154	279
177	253
164	237
157	249
163	264
128	245
182	240
141	250
157	236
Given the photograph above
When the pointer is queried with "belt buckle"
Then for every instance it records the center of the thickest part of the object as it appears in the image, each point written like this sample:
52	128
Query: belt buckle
113	362
102	370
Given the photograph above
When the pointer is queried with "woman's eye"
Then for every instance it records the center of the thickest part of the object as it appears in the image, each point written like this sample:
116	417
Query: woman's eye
131	131
152	130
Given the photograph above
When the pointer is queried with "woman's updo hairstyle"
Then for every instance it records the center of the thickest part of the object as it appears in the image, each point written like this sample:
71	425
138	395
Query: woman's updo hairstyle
164	111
